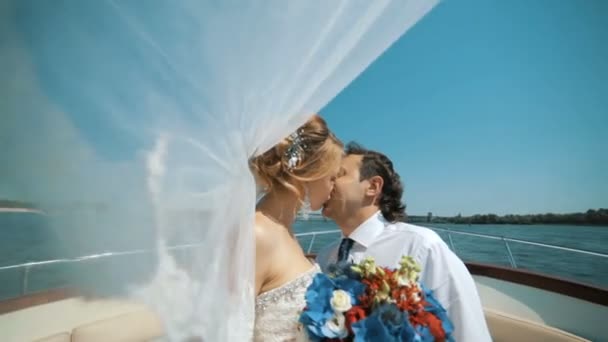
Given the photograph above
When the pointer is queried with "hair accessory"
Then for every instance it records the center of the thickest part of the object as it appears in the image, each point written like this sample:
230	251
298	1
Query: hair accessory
295	152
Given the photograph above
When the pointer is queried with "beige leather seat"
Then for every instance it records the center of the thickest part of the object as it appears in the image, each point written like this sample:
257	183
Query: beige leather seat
505	328
61	337
136	326
144	325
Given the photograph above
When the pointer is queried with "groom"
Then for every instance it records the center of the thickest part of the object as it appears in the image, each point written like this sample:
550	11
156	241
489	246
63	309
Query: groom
366	204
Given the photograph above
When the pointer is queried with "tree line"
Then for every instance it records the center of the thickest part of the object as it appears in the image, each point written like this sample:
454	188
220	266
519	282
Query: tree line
15	204
597	217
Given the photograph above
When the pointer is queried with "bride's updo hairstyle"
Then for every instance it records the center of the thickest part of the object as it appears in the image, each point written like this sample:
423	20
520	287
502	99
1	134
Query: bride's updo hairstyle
310	153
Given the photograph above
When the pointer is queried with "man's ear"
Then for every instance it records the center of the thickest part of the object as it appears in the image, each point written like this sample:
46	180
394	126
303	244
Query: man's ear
375	186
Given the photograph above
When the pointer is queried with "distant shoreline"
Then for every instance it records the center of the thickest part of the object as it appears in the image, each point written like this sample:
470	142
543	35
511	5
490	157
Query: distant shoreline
22	210
592	217
599	225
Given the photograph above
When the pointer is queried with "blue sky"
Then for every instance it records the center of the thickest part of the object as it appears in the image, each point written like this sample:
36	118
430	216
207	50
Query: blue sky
491	107
485	106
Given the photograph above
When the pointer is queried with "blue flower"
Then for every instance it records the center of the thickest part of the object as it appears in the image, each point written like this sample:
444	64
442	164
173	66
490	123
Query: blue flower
318	303
386	323
343	268
318	308
437	309
407	332
371	329
425	334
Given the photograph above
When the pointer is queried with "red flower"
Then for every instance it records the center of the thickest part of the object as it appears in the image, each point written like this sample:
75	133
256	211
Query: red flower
436	328
425	318
355	314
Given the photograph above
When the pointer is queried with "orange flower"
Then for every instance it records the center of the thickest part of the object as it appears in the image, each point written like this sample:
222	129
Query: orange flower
355	314
435	327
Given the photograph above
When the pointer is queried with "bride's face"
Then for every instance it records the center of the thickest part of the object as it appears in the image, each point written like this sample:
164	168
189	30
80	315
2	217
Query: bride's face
349	191
319	190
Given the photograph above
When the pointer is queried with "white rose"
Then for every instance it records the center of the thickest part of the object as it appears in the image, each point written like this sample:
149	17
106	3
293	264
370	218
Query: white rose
340	301
337	326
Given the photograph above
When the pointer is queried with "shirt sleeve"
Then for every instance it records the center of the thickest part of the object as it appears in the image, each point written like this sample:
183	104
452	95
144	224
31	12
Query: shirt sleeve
453	286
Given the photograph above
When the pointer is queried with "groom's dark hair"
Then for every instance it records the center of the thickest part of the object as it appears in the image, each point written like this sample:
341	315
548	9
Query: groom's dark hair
377	164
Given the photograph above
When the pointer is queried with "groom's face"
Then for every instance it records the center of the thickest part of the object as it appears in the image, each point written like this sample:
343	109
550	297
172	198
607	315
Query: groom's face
348	194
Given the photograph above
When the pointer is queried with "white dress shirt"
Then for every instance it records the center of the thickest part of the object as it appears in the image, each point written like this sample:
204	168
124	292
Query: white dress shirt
442	271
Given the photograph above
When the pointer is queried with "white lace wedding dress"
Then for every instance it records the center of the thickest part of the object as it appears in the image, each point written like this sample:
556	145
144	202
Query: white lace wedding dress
277	311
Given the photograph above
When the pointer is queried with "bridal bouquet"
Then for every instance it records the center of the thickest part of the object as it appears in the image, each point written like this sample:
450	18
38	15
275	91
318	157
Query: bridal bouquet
365	302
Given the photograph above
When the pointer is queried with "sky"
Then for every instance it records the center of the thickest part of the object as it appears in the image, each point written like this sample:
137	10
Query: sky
490	107
485	106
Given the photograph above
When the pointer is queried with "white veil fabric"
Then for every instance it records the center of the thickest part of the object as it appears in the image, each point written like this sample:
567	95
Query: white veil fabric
131	124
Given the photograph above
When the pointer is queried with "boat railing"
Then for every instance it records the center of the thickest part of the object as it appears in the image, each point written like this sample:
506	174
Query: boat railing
450	241
27	267
506	241
313	236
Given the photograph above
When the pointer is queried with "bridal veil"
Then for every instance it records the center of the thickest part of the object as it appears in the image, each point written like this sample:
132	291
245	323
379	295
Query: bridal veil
131	123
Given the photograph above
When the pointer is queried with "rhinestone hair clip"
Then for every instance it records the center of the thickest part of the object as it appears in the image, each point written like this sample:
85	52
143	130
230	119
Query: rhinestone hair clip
295	152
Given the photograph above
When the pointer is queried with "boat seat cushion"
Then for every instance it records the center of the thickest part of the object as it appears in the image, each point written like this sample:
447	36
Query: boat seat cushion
142	325
61	337
505	328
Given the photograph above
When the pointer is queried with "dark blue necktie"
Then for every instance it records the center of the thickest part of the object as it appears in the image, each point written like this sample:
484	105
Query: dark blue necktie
344	249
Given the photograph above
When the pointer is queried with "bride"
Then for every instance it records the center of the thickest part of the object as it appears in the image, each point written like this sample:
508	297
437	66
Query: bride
297	173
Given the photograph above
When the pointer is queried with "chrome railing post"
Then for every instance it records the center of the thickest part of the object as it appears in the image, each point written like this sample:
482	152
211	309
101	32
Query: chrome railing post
451	242
25	280
511	258
312	241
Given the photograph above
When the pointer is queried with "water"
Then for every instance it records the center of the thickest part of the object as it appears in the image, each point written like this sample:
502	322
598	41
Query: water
579	267
27	237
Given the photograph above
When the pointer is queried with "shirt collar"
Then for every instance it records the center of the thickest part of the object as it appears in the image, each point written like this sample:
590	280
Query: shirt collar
367	231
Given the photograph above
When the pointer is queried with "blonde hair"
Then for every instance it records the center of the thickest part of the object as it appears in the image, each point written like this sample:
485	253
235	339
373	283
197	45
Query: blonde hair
317	152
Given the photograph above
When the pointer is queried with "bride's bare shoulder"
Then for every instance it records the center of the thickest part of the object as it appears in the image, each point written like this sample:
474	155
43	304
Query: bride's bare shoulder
266	230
